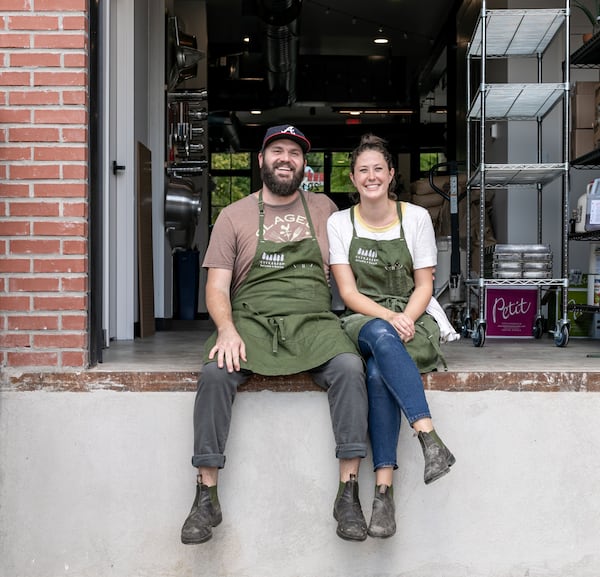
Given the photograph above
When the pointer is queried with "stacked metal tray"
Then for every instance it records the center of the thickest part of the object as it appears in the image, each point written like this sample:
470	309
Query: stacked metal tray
518	261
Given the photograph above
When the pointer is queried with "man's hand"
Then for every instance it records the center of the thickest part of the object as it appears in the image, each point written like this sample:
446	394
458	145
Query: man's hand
229	349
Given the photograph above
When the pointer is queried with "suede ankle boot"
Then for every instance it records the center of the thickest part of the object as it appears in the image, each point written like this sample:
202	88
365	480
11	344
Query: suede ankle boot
438	459
205	514
348	513
383	516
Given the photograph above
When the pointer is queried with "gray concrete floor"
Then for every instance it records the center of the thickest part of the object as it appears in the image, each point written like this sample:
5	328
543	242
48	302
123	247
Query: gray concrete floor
181	349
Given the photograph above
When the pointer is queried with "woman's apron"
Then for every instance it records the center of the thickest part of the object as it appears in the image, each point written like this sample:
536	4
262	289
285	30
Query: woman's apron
384	272
282	310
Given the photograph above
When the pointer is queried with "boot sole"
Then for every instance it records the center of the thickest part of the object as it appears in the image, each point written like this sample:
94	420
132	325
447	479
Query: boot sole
382	536
187	541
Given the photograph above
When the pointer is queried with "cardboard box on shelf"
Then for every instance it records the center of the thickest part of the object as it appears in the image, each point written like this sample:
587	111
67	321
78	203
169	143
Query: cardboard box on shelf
583	110
585	87
582	141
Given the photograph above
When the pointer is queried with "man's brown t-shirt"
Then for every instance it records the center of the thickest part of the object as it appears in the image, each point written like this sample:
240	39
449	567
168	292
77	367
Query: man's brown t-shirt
234	237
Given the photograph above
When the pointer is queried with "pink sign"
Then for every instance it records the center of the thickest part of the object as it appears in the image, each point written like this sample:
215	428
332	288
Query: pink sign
510	312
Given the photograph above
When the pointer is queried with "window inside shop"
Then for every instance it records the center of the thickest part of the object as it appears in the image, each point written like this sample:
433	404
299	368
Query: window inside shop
340	173
325	172
314	172
429	159
231	179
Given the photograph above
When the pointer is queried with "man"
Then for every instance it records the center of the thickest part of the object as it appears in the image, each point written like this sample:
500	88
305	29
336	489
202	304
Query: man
268	295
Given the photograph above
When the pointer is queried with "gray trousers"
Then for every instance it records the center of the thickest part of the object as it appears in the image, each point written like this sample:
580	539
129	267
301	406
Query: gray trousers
342	377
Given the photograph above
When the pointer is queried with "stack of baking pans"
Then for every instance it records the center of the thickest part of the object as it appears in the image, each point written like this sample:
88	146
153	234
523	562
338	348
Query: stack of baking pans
518	261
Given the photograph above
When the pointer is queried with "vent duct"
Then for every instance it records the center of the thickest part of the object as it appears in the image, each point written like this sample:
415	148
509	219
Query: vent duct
281	20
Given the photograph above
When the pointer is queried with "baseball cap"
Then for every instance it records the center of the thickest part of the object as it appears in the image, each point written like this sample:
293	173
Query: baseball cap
286	131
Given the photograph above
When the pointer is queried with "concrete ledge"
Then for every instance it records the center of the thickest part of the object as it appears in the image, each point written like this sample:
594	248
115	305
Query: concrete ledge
173	381
98	484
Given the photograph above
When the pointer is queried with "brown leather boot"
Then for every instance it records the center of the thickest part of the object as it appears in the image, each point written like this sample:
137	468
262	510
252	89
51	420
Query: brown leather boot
348	513
438	459
205	514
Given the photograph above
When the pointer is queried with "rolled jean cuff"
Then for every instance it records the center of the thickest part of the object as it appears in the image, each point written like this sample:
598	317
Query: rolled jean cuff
351	451
385	464
415	418
215	460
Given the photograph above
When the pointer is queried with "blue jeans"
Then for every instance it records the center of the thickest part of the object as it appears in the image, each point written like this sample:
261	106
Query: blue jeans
394	385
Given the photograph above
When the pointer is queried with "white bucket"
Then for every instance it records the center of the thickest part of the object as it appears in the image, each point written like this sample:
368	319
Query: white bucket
443	268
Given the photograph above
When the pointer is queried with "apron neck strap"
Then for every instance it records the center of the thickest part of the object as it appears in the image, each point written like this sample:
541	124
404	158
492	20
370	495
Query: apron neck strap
261	215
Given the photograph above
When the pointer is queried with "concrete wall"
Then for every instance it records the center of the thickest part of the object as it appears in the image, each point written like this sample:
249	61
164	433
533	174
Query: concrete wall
98	484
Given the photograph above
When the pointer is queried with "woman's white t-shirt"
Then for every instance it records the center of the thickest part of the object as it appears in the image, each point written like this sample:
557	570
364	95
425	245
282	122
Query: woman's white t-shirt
418	232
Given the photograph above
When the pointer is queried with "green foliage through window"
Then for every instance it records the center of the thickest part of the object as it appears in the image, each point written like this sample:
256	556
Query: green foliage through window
429	159
340	173
230	180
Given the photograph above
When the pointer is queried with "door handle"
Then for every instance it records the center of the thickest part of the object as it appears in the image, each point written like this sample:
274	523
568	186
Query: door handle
116	167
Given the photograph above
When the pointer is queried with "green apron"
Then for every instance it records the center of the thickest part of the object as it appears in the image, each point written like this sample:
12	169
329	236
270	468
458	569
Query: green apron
383	270
282	310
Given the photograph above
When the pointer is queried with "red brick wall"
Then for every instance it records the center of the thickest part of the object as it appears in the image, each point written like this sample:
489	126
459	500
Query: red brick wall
43	184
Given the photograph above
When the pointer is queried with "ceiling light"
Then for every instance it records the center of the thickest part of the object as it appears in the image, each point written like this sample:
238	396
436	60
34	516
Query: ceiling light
394	111
358	111
380	39
256	112
246	39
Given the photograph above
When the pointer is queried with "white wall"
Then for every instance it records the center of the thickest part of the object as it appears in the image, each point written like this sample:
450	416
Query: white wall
96	484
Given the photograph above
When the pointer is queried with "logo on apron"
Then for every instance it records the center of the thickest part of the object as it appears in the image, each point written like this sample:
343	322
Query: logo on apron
366	256
272	260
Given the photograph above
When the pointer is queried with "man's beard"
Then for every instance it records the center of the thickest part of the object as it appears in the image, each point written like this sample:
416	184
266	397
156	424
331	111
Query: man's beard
281	187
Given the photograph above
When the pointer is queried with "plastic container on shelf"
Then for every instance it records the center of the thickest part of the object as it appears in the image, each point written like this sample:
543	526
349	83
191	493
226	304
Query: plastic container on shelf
592	211
582	209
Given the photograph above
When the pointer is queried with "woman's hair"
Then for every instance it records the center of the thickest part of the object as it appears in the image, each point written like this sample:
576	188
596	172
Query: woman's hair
371	142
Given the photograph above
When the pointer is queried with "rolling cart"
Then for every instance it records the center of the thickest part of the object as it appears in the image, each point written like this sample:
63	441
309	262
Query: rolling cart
503	34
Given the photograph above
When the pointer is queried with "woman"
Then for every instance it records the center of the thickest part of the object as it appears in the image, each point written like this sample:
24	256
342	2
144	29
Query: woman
383	255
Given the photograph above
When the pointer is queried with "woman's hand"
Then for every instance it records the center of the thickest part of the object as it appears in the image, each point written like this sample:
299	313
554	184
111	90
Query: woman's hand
404	325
